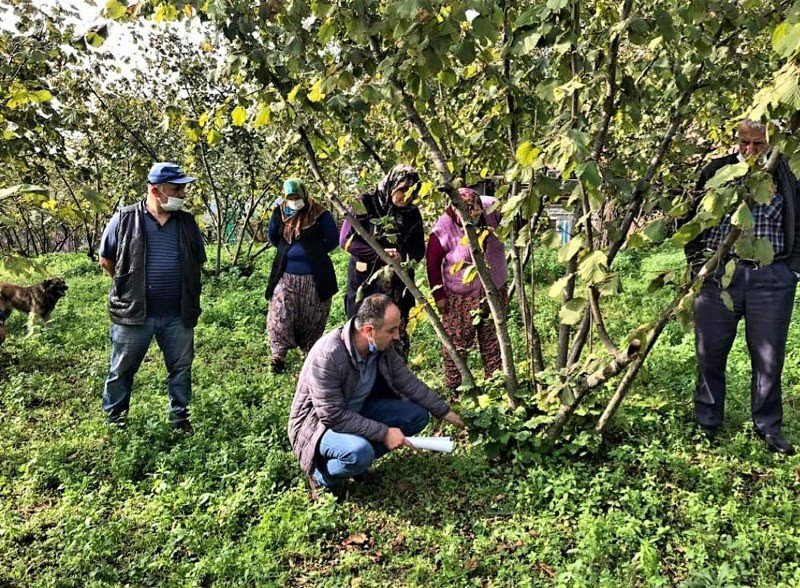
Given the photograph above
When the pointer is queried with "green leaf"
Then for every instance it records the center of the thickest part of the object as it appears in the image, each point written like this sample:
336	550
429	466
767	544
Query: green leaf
570	249
727	173
743	217
94	39
786	39
745	247
484	28
594	268
557	287
730	268
787	89
114	10
572	311
588	174
761	190
687	233
655	231
527	154
525	43
238	116
727	300
763	252
611	286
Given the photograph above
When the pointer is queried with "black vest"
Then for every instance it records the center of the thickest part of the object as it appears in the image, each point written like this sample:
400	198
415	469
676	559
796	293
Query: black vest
126	300
321	265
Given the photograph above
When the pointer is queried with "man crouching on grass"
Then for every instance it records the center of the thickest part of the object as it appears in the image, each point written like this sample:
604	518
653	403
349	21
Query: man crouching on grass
356	399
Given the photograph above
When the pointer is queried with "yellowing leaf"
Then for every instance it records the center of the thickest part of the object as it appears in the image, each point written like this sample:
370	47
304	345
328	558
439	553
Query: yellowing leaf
316	94
238	116
114	10
293	94
263	117
214	137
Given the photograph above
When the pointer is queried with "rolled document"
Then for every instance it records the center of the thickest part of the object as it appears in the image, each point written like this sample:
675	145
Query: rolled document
441	444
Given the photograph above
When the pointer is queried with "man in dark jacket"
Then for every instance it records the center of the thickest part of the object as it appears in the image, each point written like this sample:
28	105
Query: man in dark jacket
154	253
763	295
356	400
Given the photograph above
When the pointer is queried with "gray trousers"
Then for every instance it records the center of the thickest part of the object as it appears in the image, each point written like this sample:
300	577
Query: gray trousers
764	297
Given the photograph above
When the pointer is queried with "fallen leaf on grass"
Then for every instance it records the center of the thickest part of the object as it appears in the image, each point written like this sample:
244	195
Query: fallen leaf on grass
546	569
797	474
471	564
355	539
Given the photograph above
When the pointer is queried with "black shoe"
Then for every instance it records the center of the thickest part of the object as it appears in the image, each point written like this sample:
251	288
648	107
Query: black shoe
183	426
776	442
709	432
369	478
277	365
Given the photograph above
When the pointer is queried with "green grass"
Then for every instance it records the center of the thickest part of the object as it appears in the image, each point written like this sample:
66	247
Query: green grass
655	506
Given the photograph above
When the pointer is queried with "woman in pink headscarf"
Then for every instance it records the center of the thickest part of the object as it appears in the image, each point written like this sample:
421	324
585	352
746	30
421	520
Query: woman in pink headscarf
460	302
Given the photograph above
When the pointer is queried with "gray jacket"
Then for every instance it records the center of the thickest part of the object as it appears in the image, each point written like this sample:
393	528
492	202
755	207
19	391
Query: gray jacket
329	376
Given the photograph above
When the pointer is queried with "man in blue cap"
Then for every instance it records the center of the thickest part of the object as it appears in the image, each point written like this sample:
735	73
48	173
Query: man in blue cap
154	253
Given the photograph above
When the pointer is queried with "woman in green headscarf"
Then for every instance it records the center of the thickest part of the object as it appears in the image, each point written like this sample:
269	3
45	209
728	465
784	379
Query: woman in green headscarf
302	280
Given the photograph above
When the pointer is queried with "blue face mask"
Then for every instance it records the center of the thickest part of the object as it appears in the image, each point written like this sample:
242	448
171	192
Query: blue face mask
372	347
288	212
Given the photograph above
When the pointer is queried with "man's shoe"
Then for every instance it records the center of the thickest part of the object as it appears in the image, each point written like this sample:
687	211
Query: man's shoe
183	426
776	442
277	365
709	432
369	478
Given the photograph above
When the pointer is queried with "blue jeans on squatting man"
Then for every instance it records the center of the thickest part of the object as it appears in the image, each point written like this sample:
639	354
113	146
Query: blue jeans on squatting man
129	344
342	455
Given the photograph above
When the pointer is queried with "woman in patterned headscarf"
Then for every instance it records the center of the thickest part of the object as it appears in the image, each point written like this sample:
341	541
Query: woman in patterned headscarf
465	312
302	280
388	213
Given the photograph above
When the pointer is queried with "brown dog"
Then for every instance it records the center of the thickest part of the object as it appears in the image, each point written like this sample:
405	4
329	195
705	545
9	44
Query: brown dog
37	301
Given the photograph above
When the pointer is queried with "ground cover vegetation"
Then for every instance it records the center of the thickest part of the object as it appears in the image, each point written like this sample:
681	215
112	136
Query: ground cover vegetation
654	505
603	110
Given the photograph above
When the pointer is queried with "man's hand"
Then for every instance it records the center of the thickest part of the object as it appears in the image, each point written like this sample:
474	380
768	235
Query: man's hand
394	254
108	265
394	439
454	420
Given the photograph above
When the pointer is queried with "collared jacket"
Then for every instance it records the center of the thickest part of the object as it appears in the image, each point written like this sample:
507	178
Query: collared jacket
786	184
329	377
127	298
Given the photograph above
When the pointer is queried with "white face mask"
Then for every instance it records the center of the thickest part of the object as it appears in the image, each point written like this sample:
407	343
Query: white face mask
173	204
294	204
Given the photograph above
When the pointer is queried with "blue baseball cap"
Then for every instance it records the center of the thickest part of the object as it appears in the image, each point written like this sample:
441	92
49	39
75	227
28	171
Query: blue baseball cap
166	172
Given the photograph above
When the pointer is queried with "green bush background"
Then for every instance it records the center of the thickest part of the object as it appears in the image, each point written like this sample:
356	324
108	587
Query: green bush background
654	505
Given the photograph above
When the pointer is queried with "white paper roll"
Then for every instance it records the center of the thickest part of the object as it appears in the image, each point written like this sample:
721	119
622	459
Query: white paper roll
441	444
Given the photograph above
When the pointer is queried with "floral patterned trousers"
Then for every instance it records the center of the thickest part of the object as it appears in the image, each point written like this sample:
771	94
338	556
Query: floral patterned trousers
457	317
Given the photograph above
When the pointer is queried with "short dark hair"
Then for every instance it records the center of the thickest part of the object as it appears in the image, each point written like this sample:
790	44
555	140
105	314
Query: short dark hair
372	310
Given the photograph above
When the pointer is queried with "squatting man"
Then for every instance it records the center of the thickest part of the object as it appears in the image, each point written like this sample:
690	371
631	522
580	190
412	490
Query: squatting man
356	399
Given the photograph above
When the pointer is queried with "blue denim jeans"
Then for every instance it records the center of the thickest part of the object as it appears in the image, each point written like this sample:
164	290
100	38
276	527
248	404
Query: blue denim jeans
342	455
129	345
